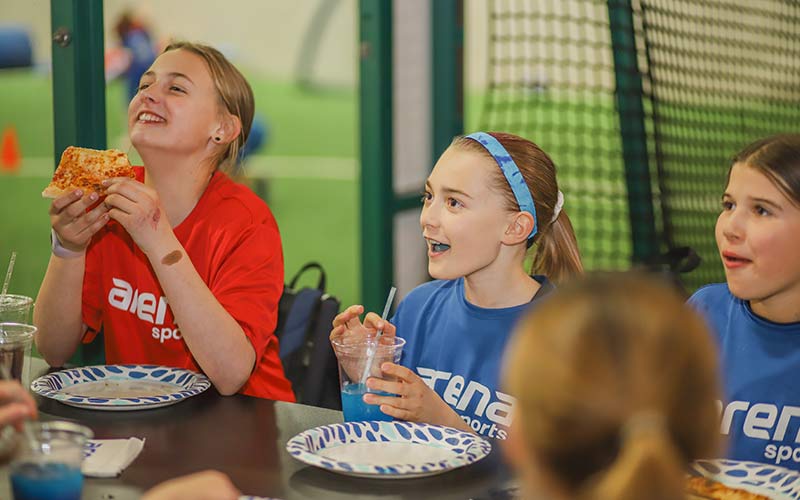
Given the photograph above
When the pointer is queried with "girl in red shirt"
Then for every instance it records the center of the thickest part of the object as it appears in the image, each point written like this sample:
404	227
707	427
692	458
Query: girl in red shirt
180	267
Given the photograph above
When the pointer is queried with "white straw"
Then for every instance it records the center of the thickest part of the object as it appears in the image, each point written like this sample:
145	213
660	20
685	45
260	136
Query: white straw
372	348
8	272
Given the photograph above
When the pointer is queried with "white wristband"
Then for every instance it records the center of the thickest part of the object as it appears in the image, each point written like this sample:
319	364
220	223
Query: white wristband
60	251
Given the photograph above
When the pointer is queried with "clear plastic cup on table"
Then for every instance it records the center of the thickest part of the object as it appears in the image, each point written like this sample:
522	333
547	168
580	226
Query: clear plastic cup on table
353	357
15	351
15	308
48	461
15	355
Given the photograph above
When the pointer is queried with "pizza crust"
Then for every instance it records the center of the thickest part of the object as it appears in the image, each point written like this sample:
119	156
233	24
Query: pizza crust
701	488
84	168
53	192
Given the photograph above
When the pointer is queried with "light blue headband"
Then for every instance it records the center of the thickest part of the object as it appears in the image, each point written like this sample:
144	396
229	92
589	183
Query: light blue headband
511	172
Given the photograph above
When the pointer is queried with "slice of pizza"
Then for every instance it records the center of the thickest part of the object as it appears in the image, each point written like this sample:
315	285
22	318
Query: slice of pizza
701	488
84	168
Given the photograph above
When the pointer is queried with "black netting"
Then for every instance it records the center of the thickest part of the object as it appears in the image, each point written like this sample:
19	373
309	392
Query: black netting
722	74
715	74
551	80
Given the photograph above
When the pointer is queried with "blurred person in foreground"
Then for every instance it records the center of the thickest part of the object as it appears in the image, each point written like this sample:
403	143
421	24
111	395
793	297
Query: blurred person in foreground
616	383
16	404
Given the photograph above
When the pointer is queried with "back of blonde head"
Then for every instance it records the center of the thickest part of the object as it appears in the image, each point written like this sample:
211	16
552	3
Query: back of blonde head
630	388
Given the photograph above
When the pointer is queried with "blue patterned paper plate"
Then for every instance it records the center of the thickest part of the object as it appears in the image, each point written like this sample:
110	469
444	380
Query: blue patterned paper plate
771	481
387	450
121	387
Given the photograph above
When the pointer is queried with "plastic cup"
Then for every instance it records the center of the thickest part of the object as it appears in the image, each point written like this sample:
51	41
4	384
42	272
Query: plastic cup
352	357
15	308
15	354
15	351
48	462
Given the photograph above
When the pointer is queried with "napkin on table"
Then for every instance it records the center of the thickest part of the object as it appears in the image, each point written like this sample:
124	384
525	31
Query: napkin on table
109	457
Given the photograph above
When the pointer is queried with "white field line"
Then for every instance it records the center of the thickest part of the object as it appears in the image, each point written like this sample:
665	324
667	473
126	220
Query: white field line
302	167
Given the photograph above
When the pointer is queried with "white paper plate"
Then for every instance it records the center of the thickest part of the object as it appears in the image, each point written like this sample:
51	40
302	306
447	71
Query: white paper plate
763	479
121	387
387	450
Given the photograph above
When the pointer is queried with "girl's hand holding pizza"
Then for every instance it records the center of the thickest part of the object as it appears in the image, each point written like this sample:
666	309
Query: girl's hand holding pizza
138	209
73	225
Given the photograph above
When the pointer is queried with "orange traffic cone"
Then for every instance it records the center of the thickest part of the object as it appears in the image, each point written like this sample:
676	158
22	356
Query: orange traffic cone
10	156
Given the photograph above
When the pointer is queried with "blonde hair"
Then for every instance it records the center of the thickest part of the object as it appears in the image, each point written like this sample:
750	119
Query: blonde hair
235	96
557	255
630	392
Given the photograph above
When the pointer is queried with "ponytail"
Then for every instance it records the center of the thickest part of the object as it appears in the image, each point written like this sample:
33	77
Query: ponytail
614	421
648	465
557	255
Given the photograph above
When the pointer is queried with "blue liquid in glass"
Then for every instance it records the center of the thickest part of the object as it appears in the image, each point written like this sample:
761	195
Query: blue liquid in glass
356	410
46	481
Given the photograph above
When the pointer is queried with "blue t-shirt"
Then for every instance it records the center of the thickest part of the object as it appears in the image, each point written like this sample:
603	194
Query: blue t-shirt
760	360
456	347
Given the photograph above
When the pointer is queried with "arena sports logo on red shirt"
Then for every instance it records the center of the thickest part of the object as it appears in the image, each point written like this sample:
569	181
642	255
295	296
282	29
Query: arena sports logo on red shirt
143	305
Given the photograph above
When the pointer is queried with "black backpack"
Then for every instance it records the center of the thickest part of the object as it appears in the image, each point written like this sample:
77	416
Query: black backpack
304	323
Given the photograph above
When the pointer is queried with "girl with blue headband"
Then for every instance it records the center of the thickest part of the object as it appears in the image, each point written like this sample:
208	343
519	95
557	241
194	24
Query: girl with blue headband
489	198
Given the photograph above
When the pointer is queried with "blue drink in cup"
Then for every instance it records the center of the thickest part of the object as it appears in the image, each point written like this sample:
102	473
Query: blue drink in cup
353	356
48	466
48	480
354	407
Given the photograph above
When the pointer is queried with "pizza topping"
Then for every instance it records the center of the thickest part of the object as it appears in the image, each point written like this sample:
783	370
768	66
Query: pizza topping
83	168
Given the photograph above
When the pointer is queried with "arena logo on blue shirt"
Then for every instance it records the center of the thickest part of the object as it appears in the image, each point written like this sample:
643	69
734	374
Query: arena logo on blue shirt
759	420
486	413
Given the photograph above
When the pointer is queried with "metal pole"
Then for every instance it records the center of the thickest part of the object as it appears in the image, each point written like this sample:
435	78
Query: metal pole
79	96
629	93
447	34
79	87
377	259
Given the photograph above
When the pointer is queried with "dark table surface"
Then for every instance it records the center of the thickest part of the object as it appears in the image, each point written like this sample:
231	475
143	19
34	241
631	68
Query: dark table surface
245	437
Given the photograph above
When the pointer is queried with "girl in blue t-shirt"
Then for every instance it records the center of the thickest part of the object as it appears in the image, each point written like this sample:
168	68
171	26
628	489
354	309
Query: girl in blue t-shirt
756	314
489	198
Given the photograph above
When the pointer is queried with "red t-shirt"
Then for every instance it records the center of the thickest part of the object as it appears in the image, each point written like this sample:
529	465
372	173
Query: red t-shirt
233	241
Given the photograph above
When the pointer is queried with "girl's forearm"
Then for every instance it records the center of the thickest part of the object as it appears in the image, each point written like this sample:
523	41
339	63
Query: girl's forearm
215	339
57	312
